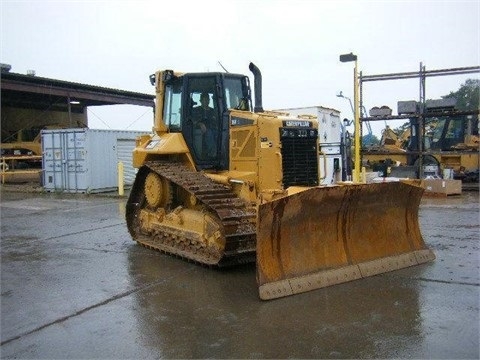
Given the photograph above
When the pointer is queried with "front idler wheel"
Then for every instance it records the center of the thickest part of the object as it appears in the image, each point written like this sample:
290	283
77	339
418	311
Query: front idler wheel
157	191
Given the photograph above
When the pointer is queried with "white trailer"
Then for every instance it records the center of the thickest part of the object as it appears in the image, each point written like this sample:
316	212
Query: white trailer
330	140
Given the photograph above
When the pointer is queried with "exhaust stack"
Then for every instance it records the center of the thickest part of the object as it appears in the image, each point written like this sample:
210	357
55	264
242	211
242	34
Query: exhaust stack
257	84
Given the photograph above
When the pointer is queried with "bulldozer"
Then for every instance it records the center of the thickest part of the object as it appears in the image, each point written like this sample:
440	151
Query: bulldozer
249	192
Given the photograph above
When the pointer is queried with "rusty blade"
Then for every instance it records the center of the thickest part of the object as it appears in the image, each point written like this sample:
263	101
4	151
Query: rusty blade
329	235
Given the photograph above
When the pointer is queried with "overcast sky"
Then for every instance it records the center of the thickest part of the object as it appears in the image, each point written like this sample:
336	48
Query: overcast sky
295	43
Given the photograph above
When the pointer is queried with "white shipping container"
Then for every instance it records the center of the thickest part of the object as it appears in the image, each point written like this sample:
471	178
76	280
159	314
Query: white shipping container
86	160
329	138
329	126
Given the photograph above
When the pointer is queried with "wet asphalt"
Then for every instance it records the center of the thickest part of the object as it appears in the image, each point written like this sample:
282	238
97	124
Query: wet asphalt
74	285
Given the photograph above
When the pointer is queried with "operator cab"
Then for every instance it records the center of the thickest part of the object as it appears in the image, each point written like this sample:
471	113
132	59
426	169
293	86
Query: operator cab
448	132
197	105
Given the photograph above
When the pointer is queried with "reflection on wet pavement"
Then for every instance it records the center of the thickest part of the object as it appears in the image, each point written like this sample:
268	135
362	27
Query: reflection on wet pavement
73	285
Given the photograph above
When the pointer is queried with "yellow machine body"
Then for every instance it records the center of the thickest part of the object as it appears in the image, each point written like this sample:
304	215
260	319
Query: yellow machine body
21	143
264	204
444	148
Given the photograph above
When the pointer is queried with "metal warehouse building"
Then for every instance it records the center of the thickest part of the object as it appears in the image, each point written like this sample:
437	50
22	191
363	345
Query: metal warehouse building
30	101
36	108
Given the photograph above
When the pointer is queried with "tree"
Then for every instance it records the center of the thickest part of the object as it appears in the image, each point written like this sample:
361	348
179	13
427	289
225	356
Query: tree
399	130
468	95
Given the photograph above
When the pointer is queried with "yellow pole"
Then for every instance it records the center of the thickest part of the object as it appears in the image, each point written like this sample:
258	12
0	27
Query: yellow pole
356	170
120	178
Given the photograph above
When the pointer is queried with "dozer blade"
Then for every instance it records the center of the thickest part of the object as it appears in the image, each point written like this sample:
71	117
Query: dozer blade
329	235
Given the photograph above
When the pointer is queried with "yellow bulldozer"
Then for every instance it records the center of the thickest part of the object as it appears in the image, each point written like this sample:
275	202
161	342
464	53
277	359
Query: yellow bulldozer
222	182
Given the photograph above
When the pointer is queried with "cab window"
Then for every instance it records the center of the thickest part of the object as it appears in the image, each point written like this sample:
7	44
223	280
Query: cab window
172	107
235	96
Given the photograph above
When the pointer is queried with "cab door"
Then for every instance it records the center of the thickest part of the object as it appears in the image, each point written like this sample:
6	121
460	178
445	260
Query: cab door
202	129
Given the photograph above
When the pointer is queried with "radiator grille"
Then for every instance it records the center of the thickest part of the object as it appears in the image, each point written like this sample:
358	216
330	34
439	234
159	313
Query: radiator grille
299	157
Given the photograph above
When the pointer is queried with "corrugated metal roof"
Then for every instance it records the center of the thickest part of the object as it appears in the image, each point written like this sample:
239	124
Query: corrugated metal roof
27	91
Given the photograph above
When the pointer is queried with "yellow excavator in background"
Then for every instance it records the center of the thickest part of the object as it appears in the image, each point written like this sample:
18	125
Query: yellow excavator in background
393	141
249	190
450	141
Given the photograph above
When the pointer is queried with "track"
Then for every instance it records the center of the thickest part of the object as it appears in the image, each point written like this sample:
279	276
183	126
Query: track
235	218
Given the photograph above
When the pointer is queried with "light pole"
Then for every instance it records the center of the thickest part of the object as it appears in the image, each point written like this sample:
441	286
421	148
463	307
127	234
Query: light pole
346	123
348	58
366	140
340	95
